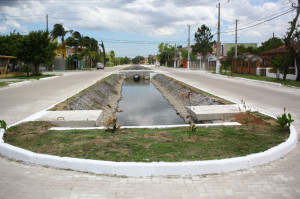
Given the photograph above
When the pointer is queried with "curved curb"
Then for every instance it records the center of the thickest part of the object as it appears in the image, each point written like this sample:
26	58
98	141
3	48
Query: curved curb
153	168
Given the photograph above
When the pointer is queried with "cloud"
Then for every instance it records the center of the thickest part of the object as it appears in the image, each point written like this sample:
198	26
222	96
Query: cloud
152	19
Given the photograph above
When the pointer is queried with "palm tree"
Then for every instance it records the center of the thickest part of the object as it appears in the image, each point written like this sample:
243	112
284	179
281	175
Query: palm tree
59	31
103	50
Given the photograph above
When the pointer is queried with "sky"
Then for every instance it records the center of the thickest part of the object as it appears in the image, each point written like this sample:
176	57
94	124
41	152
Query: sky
136	27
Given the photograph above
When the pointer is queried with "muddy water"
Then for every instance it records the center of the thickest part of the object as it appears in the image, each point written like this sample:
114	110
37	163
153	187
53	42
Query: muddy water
142	104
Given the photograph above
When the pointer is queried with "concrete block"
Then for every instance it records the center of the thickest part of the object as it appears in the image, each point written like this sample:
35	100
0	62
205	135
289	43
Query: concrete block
74	118
147	77
213	112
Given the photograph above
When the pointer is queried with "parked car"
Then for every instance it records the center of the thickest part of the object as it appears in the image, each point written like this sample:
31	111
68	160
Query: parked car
100	66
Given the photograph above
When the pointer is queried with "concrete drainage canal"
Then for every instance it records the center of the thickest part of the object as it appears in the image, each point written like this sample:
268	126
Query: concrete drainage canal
142	104
136	98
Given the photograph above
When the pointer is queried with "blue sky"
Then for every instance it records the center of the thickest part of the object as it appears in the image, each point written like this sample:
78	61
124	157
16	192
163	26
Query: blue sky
136	27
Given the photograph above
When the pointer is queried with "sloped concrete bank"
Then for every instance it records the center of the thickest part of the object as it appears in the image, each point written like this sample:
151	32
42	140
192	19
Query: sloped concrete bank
176	92
104	95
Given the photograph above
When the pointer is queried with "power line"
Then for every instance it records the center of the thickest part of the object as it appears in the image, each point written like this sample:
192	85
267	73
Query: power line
261	22
260	19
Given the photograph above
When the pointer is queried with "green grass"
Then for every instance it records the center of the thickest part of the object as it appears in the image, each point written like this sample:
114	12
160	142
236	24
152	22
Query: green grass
148	145
7	83
4	83
268	79
37	77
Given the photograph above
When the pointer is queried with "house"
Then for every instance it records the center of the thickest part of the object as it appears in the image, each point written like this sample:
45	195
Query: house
247	64
266	66
67	51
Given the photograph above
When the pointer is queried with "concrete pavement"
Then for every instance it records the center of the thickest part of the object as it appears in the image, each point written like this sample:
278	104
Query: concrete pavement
279	179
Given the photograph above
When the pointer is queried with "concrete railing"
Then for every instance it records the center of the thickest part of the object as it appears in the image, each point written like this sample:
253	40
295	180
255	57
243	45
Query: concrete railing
130	73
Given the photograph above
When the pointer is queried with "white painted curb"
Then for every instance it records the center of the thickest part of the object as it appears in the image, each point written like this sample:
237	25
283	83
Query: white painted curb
153	168
147	127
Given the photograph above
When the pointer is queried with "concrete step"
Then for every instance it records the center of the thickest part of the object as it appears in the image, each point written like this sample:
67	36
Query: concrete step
73	118
213	112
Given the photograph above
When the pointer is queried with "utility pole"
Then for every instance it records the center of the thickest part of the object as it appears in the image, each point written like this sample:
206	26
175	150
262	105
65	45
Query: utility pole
235	47
47	21
175	56
218	42
189	48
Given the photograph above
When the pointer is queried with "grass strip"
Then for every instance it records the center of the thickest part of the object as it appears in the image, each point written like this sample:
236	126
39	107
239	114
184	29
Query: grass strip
268	79
148	145
37	77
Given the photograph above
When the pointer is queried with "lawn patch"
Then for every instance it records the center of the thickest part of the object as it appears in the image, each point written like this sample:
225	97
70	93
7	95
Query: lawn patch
148	145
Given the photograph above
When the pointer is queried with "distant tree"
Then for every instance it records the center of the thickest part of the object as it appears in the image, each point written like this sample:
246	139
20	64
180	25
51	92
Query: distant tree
112	57
36	48
137	59
241	49
270	44
203	41
292	40
282	63
165	53
126	60
184	55
59	31
10	44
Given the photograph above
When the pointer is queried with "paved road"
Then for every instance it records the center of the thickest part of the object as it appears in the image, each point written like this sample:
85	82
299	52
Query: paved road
25	99
279	179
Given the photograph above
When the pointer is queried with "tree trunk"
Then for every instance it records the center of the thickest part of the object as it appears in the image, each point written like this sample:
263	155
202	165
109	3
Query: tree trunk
284	74
103	49
298	67
63	46
36	69
288	40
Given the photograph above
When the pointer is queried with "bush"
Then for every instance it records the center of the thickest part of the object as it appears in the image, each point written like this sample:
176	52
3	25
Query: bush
3	124
26	69
284	120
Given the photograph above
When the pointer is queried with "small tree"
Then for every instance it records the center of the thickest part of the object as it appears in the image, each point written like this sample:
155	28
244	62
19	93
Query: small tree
282	63
203	39
36	48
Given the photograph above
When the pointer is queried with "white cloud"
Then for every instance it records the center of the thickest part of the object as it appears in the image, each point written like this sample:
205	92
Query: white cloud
150	18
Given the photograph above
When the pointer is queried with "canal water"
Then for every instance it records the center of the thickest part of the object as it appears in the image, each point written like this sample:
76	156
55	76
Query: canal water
142	104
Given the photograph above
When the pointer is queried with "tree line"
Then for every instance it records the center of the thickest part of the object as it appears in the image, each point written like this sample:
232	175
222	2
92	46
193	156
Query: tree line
38	47
204	45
